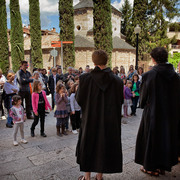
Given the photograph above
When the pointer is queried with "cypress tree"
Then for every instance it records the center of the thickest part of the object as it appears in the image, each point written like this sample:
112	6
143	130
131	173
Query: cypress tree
159	11
140	17
17	39
35	33
103	27
126	22
4	54
66	23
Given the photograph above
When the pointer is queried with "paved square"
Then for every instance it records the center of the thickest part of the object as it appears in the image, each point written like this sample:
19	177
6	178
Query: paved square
53	157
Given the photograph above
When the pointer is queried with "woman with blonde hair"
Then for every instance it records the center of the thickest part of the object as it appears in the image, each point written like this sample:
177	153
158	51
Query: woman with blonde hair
10	89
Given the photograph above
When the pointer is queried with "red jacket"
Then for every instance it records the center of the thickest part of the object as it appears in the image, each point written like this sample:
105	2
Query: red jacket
35	100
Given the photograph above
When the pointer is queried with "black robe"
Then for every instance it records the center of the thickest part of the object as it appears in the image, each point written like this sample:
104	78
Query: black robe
157	139
100	95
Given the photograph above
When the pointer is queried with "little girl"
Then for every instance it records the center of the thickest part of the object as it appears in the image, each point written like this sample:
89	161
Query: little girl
127	98
18	116
135	89
61	112
75	110
39	104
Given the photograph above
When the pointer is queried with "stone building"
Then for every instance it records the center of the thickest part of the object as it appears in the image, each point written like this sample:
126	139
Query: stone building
123	53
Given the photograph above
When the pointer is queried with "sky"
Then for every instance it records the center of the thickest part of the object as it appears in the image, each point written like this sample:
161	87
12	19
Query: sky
49	12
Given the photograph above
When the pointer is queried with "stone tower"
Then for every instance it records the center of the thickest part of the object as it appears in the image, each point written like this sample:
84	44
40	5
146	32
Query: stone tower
83	19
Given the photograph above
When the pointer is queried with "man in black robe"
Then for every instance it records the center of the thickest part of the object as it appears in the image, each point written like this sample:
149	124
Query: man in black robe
157	139
100	95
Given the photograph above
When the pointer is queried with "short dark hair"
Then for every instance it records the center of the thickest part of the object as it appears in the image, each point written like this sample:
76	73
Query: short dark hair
100	57
35	69
136	76
15	99
160	55
23	62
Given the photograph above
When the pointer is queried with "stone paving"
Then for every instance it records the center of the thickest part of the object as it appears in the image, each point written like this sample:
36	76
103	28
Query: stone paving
53	157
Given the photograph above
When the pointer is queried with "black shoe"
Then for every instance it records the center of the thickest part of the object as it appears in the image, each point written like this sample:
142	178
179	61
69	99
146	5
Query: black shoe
12	123
9	126
32	133
43	135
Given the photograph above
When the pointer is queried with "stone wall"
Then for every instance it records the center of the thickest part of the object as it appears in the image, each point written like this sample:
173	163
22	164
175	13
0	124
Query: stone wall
83	22
123	58
116	25
83	58
119	58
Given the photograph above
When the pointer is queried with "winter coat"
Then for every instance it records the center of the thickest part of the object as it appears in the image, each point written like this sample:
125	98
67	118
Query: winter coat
100	95
157	139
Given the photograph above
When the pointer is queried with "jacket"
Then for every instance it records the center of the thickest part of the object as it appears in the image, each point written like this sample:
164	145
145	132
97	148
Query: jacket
51	82
13	114
23	80
35	100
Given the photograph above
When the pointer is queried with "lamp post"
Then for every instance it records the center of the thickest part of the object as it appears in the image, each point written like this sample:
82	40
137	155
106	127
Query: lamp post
137	31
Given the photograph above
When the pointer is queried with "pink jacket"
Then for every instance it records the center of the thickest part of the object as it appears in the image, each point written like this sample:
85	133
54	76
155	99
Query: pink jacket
35	100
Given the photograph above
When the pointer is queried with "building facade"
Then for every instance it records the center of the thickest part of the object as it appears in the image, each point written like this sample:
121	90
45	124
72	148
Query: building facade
123	54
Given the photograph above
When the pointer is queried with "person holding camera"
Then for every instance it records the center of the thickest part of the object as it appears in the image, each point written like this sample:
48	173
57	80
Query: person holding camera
69	76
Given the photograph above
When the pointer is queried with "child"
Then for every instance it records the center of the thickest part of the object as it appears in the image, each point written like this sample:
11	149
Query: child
18	115
127	98
135	89
68	106
75	110
39	104
61	112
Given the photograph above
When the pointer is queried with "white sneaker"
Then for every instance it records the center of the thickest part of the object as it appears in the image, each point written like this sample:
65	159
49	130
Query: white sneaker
24	141
74	132
15	143
3	118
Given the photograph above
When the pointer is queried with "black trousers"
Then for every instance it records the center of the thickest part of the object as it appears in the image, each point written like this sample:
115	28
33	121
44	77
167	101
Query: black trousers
1	105
134	102
41	116
53	100
27	96
75	120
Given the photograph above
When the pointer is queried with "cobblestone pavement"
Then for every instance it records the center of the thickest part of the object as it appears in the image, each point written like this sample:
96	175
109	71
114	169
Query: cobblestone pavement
53	157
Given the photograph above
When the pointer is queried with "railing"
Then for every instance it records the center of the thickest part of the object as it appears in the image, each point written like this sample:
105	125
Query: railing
175	47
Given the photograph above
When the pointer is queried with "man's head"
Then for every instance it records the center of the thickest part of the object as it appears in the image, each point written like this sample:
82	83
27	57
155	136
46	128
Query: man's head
99	58
24	65
159	55
70	69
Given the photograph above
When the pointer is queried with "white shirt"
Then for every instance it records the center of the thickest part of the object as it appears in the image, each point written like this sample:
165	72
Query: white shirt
8	88
19	114
54	82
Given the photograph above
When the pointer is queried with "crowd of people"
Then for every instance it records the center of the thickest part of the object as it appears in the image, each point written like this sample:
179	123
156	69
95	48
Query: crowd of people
77	94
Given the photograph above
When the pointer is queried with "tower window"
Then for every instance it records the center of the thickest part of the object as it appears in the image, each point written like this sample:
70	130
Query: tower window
115	29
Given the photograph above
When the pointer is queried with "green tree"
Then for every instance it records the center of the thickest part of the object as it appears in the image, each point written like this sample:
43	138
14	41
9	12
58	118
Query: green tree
66	23
126	22
17	40
140	17
4	54
175	59
103	27
35	33
159	11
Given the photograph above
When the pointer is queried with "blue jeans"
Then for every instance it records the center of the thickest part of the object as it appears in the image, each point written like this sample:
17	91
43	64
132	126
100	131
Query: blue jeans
9	119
